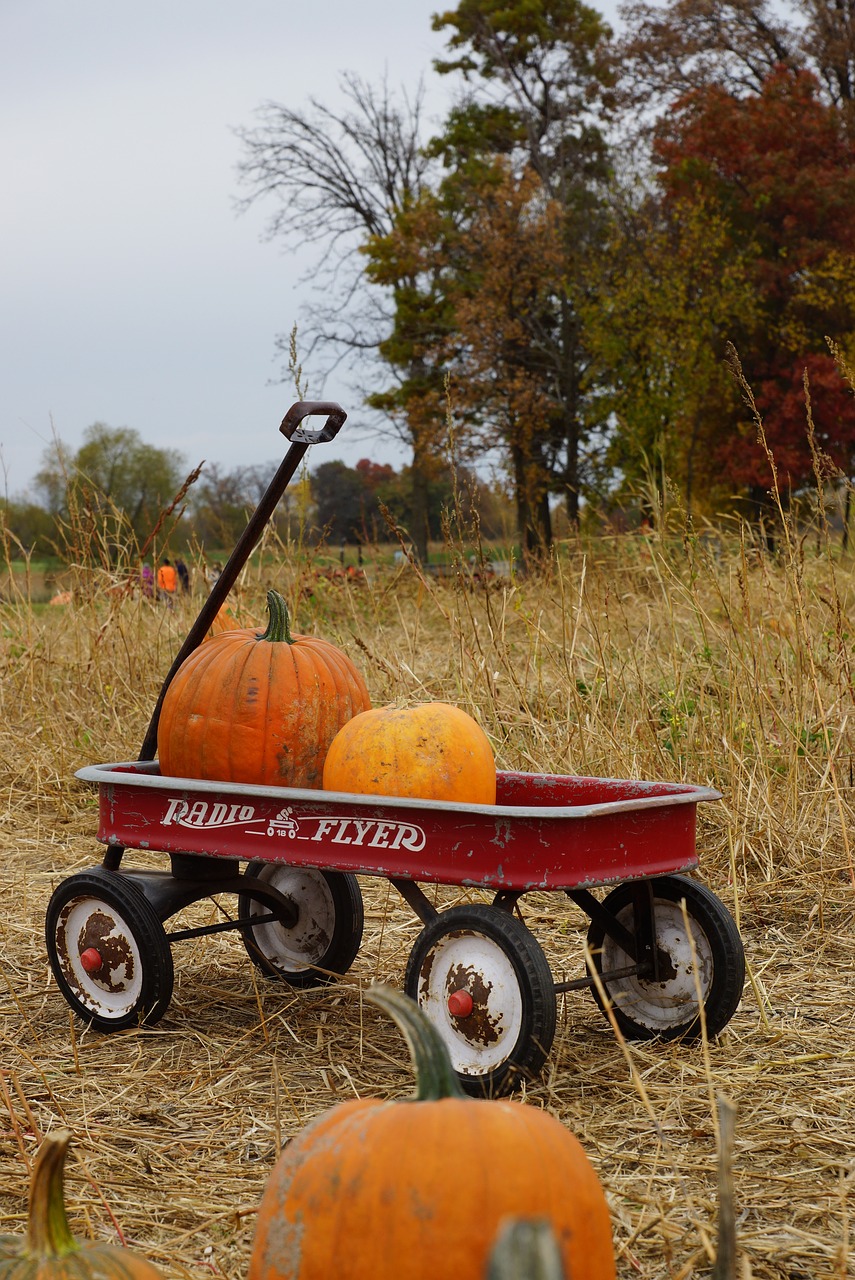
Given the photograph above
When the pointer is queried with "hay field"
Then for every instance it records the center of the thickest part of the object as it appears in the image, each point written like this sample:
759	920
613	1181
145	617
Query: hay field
686	661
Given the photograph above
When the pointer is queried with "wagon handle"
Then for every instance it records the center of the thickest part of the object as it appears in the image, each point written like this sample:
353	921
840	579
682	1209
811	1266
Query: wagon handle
301	438
304	409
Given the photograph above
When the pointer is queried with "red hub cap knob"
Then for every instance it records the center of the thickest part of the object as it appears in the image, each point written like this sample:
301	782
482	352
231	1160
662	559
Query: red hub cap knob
460	1004
91	960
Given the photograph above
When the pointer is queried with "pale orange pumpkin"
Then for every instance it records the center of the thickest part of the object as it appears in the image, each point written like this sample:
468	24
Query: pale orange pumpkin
224	620
231	617
420	1188
258	706
434	752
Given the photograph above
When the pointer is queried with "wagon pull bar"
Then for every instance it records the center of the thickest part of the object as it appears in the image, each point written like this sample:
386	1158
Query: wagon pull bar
291	427
301	438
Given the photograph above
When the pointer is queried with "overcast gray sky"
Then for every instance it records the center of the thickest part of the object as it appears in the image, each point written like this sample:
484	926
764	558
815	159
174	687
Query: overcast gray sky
132	291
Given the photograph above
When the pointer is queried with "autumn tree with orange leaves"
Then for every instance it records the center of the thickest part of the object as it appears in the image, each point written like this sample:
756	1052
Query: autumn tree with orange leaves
485	269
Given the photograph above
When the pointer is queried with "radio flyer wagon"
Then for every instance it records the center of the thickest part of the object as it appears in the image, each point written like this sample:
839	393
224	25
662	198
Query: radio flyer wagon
663	950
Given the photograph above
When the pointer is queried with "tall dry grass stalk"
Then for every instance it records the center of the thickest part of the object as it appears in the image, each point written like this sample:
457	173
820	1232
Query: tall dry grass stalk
682	656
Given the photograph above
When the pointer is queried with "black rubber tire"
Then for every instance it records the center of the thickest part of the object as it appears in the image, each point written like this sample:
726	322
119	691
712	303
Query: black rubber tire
327	935
473	948
106	911
669	1009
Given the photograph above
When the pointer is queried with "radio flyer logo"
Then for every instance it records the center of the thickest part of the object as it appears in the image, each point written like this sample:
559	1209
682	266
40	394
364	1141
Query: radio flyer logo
370	833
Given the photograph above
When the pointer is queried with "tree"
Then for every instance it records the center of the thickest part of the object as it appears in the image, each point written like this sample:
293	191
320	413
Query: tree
114	469
223	500
544	71
26	526
682	45
409	261
359	178
485	266
667	295
335	175
670	49
504	372
220	506
540	79
777	161
383	486
779	167
339	494
521	149
338	178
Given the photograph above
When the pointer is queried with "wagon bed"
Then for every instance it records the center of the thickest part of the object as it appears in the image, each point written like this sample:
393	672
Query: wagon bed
546	831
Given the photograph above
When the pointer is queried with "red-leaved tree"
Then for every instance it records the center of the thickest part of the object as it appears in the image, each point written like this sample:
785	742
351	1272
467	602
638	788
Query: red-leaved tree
779	167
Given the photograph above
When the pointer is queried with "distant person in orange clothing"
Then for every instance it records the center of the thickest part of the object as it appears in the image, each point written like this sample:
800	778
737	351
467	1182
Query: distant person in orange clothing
167	582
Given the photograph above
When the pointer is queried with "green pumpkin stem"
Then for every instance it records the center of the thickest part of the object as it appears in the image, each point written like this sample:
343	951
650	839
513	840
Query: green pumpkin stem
279	625
48	1232
435	1076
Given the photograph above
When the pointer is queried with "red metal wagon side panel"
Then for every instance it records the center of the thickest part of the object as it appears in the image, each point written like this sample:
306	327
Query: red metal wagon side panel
545	832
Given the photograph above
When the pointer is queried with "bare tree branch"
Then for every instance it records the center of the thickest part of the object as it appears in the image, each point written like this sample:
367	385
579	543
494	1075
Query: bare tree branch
335	175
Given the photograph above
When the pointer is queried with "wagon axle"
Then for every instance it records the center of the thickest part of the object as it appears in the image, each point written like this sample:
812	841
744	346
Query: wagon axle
585	984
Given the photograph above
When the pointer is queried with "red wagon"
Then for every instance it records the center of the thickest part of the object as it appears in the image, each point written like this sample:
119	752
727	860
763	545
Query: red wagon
662	948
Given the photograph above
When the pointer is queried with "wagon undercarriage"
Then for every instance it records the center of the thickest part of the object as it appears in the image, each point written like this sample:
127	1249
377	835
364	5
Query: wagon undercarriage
663	956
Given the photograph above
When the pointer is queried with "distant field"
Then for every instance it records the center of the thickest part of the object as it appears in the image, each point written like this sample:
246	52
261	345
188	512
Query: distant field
39	581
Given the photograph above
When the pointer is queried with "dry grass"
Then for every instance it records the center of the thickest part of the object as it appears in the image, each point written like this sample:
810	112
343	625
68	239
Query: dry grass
684	661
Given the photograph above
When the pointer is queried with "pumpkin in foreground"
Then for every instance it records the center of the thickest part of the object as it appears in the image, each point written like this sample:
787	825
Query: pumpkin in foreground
258	706
49	1251
431	752
421	1188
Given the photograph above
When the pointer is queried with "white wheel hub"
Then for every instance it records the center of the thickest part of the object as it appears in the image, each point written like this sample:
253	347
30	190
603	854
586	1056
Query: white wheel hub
88	928
302	945
472	974
685	976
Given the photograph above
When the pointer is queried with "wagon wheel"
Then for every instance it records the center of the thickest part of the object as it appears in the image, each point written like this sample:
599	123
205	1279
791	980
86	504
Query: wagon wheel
108	950
325	939
484	982
669	1008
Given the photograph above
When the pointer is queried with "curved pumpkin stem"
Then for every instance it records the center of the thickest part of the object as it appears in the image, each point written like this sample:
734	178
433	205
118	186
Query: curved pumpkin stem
435	1076
279	625
48	1232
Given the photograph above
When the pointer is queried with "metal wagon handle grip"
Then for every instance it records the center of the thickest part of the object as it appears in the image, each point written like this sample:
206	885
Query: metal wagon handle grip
335	419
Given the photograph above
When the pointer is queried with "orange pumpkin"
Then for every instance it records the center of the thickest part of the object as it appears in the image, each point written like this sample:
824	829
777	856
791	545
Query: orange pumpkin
258	706
228	618
224	620
49	1251
434	752
420	1188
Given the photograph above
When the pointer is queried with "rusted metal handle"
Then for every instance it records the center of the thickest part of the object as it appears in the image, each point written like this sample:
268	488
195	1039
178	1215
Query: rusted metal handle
335	418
